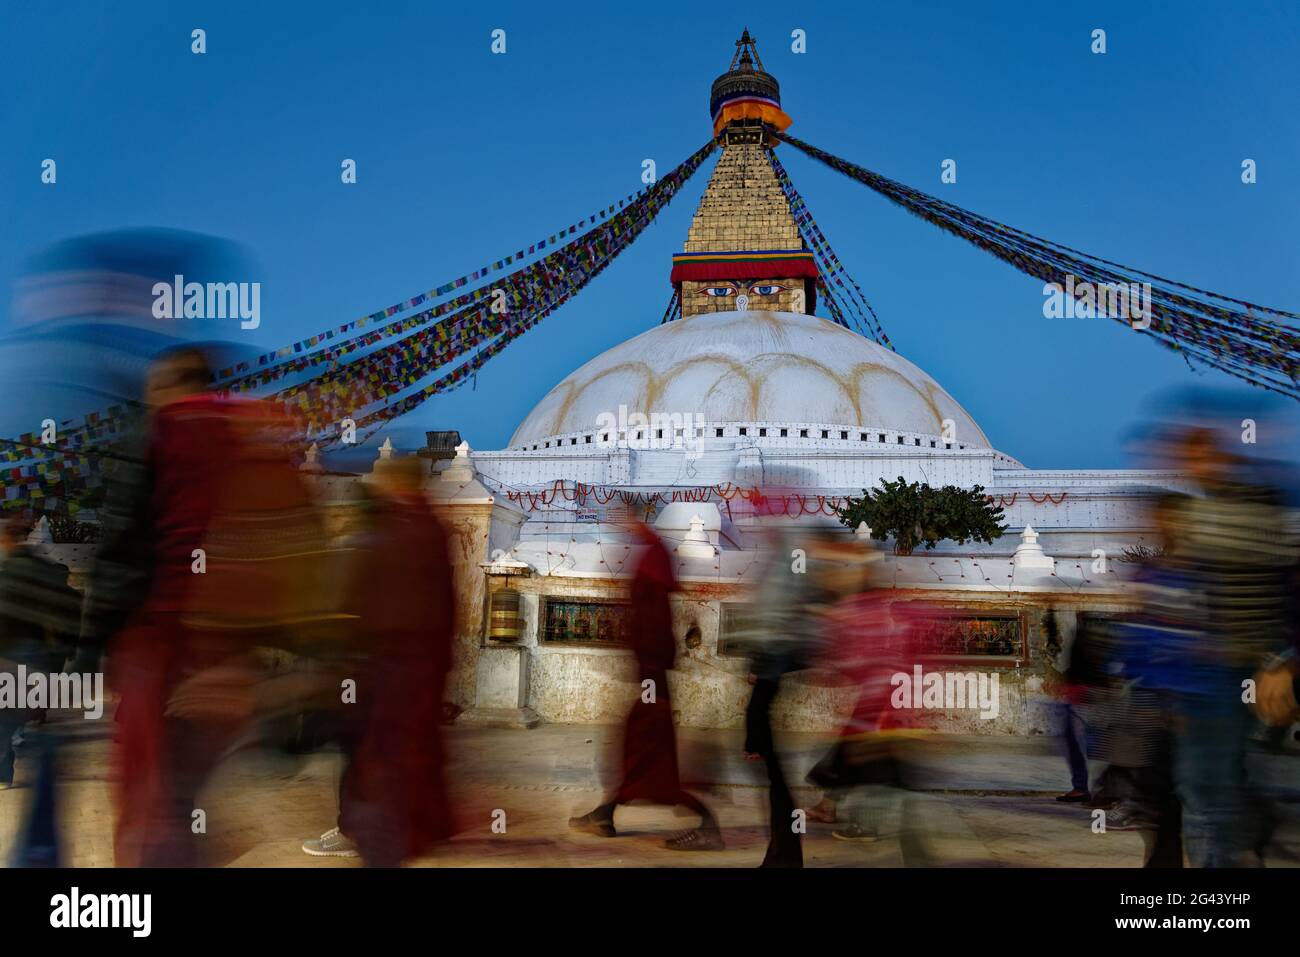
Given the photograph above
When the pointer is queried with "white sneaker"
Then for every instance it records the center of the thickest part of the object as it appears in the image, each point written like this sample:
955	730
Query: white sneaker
331	844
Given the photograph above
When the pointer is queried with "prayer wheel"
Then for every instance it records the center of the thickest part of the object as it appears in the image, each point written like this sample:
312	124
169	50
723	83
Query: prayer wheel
504	620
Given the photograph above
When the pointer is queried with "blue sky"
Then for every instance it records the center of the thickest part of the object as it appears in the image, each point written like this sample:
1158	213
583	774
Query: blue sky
464	156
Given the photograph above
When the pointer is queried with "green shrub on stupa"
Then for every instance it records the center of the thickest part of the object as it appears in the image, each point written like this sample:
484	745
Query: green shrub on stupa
915	514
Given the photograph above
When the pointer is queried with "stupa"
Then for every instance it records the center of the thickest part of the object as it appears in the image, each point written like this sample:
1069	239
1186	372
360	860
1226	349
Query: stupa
748	389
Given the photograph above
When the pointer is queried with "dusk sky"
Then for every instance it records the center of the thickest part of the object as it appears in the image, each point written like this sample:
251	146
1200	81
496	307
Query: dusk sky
464	156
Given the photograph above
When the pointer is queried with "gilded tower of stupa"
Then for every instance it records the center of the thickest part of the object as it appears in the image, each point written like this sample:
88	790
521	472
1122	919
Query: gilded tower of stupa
744	250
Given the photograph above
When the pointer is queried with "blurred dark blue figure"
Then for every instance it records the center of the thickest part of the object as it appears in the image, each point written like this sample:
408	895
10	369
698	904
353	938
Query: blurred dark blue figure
1152	652
38	838
81	338
83	330
1217	606
1222	603
39	615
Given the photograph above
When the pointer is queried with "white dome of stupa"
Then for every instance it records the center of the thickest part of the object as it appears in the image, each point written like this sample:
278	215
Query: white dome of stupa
777	368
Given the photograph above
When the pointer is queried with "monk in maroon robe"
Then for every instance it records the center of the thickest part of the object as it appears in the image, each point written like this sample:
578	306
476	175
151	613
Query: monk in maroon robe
650	770
224	507
393	801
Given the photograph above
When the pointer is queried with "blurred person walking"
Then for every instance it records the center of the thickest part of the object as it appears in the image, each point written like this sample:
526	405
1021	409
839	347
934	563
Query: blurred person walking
795	587
1070	694
394	803
39	613
1233	549
872	639
229	537
649	770
1149	656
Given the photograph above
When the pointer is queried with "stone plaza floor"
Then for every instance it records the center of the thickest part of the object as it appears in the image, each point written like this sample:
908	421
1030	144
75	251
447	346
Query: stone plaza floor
985	802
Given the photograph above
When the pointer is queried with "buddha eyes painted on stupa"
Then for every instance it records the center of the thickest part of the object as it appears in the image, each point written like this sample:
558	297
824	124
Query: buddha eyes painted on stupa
733	289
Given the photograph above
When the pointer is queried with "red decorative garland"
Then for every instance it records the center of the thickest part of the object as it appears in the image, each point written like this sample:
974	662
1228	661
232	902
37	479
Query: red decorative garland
602	494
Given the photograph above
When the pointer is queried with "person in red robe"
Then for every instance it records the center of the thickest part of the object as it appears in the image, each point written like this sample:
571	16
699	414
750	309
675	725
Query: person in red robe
393	799
147	655
650	771
874	639
226	523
